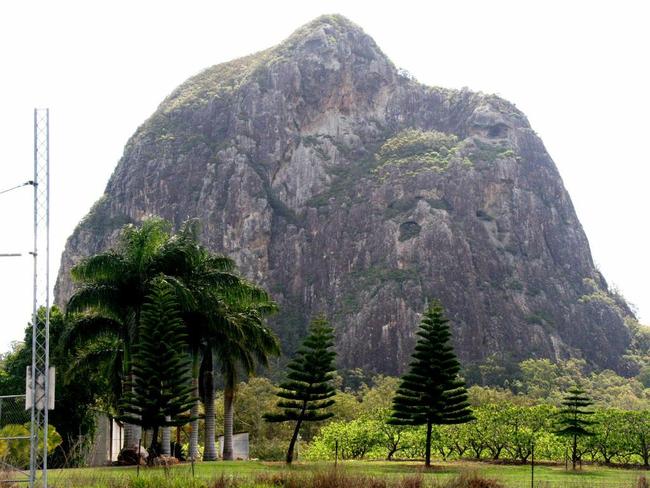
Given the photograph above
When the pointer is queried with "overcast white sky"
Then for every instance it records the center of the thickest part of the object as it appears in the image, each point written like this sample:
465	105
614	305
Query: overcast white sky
579	70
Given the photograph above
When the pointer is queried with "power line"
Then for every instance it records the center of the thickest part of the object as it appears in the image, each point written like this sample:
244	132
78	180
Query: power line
27	183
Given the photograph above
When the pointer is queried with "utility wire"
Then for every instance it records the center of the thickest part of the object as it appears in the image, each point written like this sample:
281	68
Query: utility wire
27	183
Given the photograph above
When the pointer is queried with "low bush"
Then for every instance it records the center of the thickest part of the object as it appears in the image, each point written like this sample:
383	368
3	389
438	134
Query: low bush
338	479
471	481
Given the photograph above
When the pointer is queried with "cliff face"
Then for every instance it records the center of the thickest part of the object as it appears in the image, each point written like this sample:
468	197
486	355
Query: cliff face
345	187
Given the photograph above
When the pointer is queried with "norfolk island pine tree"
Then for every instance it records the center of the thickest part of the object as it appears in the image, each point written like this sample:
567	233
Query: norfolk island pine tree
431	392
571	421
161	391
308	389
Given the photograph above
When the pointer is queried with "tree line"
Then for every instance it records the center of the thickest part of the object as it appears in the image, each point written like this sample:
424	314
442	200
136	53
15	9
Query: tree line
500	432
154	319
150	324
156	322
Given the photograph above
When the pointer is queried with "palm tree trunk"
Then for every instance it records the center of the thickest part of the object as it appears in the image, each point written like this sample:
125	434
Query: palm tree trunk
210	451
228	416
166	447
194	412
132	435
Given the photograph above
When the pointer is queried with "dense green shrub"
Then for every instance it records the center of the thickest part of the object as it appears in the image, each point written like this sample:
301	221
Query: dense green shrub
355	440
431	150
273	449
16	451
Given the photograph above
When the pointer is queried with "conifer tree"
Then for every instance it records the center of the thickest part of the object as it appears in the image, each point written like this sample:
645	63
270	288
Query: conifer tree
308	389
572	422
160	393
431	392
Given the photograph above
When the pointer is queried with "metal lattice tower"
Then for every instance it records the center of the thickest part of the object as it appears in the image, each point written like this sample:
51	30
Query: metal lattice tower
40	383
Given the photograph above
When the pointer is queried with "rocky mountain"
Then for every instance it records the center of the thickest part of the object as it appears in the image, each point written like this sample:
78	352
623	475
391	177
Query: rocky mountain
345	186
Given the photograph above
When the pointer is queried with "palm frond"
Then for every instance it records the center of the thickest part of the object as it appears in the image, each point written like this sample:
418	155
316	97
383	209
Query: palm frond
100	268
184	296
228	284
220	262
98	355
190	230
140	245
83	329
105	299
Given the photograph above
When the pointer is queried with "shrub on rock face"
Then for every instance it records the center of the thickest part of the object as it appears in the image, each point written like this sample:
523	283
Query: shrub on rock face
412	145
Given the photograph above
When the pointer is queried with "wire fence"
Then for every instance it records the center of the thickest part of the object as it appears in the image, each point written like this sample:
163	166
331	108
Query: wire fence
593	478
12	410
14	439
632	483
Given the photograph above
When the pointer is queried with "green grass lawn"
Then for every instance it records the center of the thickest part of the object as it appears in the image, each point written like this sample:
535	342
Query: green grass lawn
248	472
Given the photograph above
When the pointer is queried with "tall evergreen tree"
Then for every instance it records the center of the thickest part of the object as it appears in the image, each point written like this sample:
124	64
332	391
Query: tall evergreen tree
113	285
572	419
207	277
308	389
161	390
110	289
210	293
431	392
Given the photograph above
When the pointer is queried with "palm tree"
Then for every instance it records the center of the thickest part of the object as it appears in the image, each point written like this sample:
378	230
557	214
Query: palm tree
218	309
103	353
211	297
244	354
225	318
206	279
111	290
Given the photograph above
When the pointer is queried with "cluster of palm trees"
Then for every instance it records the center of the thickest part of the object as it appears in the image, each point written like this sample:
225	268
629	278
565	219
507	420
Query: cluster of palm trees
223	315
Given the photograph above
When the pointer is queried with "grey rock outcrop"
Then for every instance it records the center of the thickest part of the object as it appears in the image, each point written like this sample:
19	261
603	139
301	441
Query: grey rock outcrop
346	187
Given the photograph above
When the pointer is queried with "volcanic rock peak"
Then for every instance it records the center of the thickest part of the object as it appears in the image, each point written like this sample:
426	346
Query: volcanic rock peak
347	187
